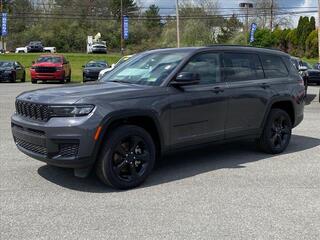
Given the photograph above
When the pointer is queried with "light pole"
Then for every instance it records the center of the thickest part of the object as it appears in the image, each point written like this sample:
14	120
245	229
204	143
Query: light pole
319	30
247	6
178	23
122	42
1	11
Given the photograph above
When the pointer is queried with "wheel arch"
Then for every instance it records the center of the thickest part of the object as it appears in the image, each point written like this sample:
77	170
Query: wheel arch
144	119
285	104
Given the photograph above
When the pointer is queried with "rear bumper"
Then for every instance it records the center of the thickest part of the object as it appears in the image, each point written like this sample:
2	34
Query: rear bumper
67	144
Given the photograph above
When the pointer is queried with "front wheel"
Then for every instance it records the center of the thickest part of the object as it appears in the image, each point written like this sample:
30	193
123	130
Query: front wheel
127	157
23	79
33	81
277	132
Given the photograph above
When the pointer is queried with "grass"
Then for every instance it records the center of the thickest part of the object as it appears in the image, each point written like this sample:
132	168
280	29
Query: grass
77	60
312	61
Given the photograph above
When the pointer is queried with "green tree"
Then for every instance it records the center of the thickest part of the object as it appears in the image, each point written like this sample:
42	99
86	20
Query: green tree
152	16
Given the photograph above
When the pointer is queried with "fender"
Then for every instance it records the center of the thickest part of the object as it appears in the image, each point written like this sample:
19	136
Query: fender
273	101
122	114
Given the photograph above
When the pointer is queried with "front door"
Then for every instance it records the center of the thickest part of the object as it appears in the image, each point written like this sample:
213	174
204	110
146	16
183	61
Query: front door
198	111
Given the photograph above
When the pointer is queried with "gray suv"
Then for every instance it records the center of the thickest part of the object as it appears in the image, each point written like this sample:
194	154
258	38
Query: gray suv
158	102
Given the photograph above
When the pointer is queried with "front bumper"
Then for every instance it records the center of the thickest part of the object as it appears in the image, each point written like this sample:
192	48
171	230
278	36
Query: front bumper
90	76
58	75
63	142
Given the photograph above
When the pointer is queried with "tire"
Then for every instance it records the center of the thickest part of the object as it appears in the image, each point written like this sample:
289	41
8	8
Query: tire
120	164
33	81
23	79
13	79
69	78
276	133
63	80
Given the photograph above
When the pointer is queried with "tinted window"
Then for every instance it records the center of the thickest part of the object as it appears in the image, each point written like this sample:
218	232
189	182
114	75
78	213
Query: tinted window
49	59
242	67
207	66
273	66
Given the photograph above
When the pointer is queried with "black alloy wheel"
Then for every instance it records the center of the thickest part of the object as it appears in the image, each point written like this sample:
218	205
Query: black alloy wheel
277	132
127	157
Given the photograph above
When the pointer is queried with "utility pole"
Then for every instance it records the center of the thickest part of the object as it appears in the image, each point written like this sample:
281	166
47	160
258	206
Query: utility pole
178	23
1	11
122	41
247	5
319	28
271	15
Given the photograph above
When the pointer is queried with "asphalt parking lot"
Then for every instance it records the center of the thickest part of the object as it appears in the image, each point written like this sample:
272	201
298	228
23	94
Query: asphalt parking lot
228	191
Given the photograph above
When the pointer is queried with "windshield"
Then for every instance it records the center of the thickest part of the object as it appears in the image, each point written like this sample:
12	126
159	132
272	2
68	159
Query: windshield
150	69
49	59
6	64
97	64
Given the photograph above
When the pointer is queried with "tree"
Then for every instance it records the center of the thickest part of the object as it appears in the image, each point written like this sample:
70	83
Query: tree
153	20
129	7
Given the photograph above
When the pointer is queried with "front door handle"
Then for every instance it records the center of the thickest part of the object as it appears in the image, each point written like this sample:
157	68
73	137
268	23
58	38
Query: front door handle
265	85
218	90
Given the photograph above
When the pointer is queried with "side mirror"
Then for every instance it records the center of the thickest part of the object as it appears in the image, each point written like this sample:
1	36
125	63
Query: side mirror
186	78
113	65
33	62
303	68
83	66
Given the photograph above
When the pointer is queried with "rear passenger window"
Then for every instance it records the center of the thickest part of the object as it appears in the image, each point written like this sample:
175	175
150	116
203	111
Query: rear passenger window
242	67
274	66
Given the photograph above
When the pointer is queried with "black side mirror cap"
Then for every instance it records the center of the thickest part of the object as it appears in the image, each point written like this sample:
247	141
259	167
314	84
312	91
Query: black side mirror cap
186	78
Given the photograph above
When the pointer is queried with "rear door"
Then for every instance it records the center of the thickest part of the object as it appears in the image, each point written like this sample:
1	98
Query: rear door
198	111
248	92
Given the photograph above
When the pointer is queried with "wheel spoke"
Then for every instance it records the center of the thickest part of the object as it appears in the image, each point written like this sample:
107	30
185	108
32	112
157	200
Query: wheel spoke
285	131
120	150
133	171
134	143
143	157
279	140
120	166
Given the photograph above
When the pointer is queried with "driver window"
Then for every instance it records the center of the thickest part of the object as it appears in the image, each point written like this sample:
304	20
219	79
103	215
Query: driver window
207	65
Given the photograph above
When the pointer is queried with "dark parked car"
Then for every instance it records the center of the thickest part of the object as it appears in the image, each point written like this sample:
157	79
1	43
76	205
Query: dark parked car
12	71
158	102
298	63
92	69
35	46
312	74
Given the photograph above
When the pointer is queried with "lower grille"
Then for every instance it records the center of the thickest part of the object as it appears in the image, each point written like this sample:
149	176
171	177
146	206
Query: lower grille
31	147
45	69
68	150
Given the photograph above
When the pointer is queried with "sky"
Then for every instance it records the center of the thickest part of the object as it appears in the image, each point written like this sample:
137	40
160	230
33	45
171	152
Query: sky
302	5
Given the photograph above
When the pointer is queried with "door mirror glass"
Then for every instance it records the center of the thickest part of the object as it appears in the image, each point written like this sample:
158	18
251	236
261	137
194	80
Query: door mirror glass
186	78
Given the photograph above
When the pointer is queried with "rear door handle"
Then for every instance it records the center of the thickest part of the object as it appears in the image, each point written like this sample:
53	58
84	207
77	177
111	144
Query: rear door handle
265	85
218	90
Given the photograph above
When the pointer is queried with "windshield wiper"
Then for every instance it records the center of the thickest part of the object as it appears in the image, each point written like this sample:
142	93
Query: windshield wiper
120	81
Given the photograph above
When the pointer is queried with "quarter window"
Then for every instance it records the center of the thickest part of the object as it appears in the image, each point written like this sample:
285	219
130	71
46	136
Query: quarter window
242	67
207	65
273	66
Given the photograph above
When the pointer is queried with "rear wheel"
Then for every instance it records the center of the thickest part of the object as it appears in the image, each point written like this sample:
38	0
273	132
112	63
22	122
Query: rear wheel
63	79
277	132
33	81
127	157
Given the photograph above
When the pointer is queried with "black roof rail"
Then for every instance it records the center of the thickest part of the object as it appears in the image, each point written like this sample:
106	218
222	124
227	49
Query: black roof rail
244	46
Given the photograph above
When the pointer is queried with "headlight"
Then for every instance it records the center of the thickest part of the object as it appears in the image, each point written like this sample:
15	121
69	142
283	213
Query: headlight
59	68
70	111
8	71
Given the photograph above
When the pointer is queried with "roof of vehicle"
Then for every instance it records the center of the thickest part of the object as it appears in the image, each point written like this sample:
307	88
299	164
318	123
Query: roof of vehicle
225	48
51	55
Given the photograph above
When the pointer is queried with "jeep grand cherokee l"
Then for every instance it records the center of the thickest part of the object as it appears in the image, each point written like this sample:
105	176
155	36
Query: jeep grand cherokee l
161	101
51	67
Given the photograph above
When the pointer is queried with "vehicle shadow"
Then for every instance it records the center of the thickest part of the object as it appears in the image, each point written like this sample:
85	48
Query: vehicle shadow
310	98
181	165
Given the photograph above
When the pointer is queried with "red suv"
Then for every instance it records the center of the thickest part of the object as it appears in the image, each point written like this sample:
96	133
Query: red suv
51	67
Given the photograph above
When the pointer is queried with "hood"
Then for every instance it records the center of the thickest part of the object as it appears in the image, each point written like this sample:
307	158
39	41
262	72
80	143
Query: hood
47	64
93	69
79	93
